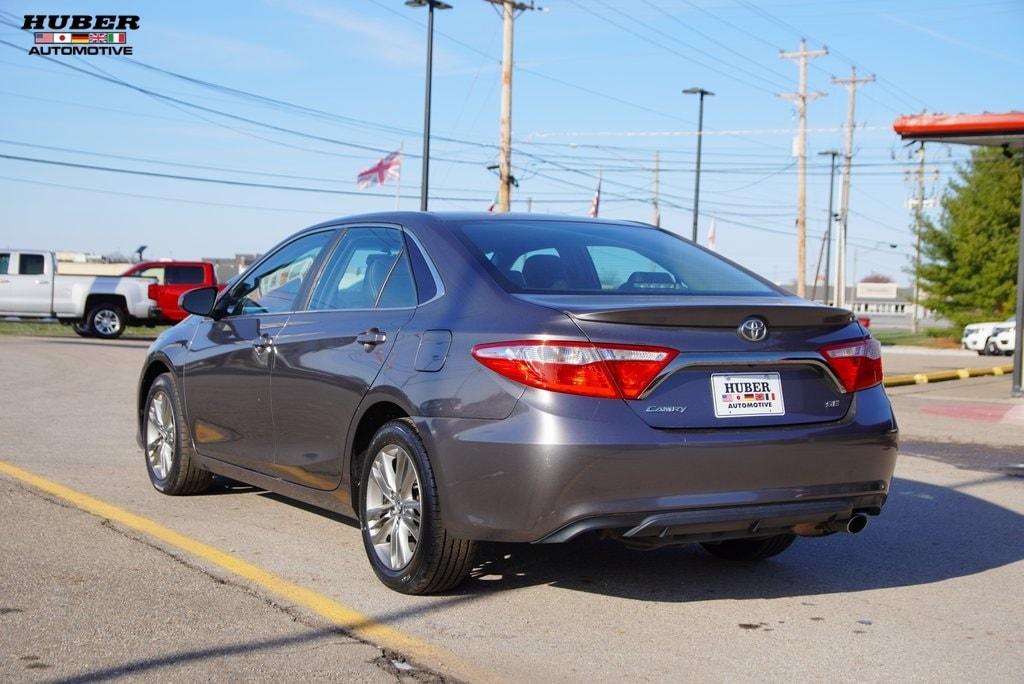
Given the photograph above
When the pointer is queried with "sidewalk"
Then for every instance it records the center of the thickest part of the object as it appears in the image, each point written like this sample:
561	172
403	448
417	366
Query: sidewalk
972	411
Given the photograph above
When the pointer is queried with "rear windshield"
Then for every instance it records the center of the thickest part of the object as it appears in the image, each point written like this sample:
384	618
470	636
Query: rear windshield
555	257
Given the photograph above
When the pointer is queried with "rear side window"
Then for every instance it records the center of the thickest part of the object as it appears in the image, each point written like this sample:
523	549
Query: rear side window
368	269
31	264
5	263
562	257
184	275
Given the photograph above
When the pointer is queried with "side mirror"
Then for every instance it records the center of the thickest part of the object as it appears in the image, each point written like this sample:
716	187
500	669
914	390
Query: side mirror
199	301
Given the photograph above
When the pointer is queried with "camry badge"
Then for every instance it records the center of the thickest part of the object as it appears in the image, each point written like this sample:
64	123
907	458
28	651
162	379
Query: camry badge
753	329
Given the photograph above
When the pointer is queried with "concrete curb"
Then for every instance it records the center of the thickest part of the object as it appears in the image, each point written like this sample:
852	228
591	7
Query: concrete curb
943	376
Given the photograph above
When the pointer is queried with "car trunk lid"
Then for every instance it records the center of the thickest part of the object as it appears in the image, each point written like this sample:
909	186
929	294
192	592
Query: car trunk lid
719	379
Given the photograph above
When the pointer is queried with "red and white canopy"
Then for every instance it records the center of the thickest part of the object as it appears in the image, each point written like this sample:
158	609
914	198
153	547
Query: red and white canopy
996	130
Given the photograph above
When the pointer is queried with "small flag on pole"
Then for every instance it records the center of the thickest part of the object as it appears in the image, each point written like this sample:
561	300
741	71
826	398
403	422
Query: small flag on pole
388	168
595	204
711	236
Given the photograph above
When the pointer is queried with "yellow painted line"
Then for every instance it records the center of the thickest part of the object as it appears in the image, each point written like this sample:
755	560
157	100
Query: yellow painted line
942	376
349	619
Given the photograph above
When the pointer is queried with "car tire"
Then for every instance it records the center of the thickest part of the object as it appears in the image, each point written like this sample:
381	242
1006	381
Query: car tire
406	543
106	321
991	349
167	446
82	328
750	549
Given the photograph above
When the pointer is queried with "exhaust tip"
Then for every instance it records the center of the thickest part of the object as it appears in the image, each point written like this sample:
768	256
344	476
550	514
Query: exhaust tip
856	523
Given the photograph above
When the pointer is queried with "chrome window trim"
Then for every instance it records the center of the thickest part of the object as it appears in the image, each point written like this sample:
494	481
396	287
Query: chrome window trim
720	360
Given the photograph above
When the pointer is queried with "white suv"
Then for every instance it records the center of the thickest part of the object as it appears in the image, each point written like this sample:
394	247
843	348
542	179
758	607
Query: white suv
980	337
1003	339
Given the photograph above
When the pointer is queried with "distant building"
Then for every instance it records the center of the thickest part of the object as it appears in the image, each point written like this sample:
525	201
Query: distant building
88	263
888	305
229	267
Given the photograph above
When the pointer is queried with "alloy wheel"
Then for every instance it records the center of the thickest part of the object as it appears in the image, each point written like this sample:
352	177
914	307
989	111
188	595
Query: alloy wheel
160	435
392	512
106	322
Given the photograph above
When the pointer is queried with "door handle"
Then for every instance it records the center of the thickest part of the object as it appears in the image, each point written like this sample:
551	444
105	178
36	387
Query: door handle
371	338
264	342
4	281
42	282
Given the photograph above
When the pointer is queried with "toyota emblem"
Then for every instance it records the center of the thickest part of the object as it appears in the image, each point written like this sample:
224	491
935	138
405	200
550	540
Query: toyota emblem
753	330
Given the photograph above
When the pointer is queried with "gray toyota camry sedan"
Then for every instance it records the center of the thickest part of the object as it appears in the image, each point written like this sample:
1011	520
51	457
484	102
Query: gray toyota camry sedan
448	379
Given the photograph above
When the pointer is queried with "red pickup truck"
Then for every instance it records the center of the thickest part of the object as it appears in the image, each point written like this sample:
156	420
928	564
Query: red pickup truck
173	279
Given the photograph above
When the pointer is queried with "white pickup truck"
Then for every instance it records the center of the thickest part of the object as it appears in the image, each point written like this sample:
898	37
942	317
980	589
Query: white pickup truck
100	306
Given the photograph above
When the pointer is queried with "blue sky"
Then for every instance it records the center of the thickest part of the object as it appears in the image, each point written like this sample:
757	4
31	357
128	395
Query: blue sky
596	91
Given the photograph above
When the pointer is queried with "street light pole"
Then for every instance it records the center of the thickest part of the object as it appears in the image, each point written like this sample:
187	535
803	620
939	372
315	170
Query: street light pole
431	5
828	230
700	138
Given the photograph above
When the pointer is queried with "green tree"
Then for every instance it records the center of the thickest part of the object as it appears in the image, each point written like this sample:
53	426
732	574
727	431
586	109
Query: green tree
969	257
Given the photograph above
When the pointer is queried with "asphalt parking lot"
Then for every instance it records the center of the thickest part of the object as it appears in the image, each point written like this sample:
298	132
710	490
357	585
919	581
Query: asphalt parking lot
238	584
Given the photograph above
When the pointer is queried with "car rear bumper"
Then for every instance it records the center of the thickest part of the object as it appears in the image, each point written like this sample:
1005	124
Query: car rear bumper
546	474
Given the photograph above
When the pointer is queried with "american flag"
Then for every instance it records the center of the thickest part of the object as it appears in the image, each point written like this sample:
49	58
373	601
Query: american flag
387	168
97	37
595	204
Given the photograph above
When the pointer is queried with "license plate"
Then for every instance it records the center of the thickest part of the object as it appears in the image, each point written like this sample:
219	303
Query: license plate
747	394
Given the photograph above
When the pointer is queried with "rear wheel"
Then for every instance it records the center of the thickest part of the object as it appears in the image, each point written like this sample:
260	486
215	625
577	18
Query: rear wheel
408	547
106	320
750	549
170	459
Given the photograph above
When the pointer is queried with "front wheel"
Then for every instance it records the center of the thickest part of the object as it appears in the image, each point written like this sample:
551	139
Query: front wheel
409	549
750	549
170	458
991	349
107	321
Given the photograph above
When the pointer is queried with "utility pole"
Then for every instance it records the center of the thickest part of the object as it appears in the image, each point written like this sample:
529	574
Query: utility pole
831	219
918	221
802	97
844	203
508	9
700	138
656	218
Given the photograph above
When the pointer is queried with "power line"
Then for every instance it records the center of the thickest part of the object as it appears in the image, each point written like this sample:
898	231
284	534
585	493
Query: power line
650	41
201	179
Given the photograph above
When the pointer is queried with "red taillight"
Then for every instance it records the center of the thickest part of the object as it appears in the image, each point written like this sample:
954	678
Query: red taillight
594	370
858	364
151	291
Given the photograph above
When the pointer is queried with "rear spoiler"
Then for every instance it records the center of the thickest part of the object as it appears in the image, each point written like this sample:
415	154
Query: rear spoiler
722	315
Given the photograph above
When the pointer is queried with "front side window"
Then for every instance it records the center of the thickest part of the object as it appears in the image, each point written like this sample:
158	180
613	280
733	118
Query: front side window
185	275
565	257
369	269
31	264
274	285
